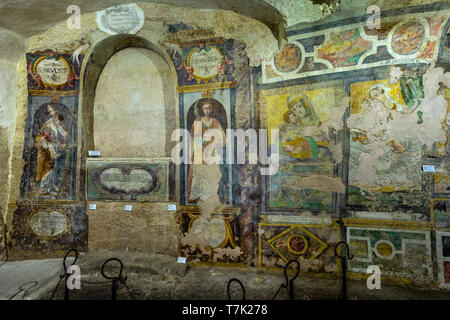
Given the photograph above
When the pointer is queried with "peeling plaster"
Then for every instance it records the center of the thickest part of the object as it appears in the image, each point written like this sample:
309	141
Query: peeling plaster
320	182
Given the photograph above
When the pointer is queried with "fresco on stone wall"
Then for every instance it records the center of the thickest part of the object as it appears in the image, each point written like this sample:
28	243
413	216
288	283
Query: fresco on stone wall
385	165
311	245
408	38
395	124
398	253
441	213
129	179
413	38
210	61
55	146
443	258
289	58
208	73
214	70
50	150
442	183
213	241
344	48
206	114
307	122
47	228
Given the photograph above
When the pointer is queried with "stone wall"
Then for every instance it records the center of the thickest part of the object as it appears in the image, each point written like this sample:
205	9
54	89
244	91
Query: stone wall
359	109
9	55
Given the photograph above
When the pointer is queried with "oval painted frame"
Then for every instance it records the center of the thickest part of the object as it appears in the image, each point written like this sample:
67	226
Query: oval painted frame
49	211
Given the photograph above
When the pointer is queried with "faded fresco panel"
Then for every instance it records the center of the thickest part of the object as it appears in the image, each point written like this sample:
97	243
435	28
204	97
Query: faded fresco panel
309	121
391	132
210	241
49	228
398	253
441	213
443	258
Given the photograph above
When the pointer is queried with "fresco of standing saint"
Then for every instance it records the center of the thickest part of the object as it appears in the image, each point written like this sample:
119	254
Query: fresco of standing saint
205	179
51	141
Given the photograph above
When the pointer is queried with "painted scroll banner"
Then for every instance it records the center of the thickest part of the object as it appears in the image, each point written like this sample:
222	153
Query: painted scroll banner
121	19
128	179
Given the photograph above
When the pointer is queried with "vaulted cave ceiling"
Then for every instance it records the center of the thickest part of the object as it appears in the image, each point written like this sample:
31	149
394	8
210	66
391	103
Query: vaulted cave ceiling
30	17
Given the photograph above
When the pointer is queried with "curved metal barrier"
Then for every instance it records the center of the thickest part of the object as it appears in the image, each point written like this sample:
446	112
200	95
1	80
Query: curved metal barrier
229	285
114	279
24	288
289	285
343	258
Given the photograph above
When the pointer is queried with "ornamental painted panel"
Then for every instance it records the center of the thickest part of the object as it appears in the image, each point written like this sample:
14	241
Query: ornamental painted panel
51	131
309	125
129	179
351	45
385	165
213	240
441	213
49	228
310	244
398	253
49	224
443	258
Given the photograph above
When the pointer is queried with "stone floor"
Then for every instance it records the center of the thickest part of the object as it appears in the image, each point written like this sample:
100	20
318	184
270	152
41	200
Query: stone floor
155	277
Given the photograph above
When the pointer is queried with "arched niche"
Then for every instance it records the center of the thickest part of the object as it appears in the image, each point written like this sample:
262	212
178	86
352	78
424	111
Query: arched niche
95	64
129	105
108	51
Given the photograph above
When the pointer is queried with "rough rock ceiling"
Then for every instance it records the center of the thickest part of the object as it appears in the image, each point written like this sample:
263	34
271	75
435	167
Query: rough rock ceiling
31	17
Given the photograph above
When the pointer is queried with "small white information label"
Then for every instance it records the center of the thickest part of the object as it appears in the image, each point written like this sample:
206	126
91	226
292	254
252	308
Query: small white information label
181	260
128	207
92	206
94	153
428	168
172	207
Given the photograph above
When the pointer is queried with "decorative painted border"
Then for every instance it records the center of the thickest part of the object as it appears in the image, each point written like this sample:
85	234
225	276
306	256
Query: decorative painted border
432	200
397	59
371	251
138	163
441	259
291	226
37	210
207	86
391	224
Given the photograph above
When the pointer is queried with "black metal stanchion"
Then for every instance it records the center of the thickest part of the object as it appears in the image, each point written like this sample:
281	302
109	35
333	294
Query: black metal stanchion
66	289
289	285
115	280
240	283
343	258
291	282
